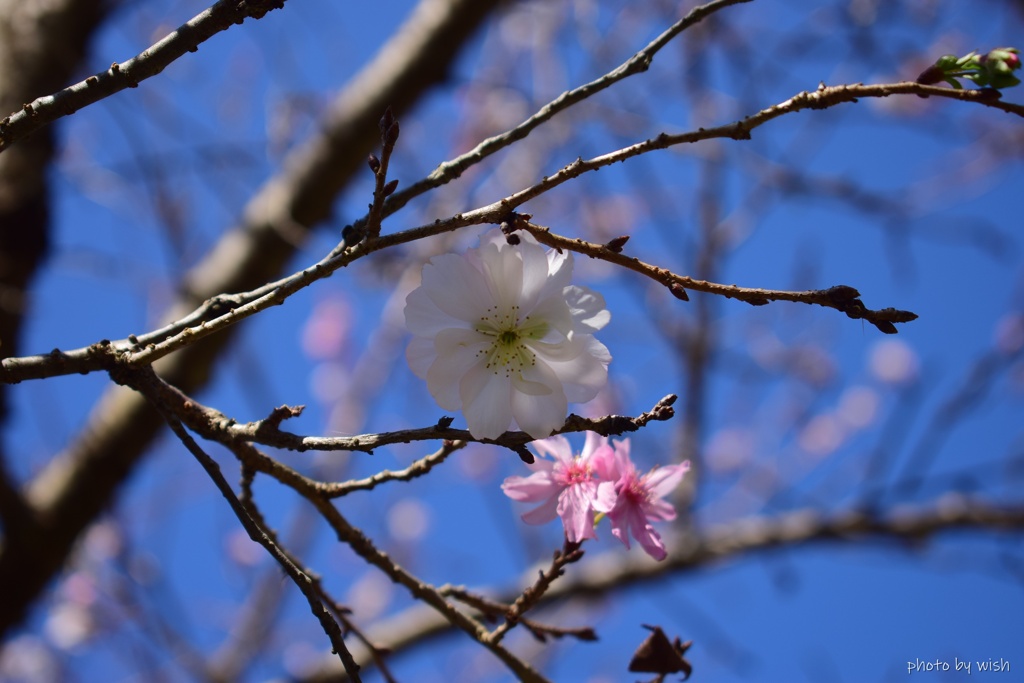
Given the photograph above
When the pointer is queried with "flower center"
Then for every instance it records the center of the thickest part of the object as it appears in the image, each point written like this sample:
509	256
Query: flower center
578	471
635	491
509	351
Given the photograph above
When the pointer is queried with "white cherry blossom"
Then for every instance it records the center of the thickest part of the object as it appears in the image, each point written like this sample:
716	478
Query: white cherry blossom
500	334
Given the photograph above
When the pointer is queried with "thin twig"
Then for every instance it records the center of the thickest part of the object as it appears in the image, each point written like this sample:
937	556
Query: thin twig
364	547
636	64
840	297
700	548
571	552
416	469
90	359
493	609
128	74
172	404
258	534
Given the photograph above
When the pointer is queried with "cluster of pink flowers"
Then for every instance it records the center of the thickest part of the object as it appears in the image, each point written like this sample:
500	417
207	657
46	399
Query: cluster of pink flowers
602	479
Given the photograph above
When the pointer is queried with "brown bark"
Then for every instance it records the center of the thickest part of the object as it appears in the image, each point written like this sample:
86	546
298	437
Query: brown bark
83	481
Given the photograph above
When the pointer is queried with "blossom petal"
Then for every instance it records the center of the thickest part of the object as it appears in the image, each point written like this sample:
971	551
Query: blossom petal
503	267
585	375
659	511
423	318
663	480
601	456
421	354
537	486
486	402
543	513
593	445
556	447
588	308
538	415
605	499
537	281
650	541
552	309
559	270
456	287
458	352
576	513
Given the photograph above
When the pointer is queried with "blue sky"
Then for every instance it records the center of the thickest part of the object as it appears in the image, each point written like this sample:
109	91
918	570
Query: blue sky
787	380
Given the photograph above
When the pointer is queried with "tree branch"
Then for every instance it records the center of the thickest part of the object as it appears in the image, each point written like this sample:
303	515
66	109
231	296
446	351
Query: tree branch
80	482
840	297
259	535
128	74
734	540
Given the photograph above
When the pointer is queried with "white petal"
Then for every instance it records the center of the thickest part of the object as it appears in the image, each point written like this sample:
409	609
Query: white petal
583	376
535	274
458	352
556	313
486	402
559	269
539	415
421	355
423	318
456	287
503	267
562	351
588	309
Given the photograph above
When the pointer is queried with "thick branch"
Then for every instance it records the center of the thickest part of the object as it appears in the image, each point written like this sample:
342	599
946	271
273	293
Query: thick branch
221	311
81	482
616	569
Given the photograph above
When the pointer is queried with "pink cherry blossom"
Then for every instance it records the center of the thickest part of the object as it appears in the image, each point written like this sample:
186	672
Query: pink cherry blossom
640	500
571	487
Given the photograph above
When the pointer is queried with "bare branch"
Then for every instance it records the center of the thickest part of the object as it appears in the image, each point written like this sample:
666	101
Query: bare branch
695	550
840	297
638	63
533	594
128	74
843	298
79	483
259	535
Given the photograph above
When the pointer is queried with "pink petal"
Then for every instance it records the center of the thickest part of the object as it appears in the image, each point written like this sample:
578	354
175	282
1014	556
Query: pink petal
536	487
557	447
651	542
660	511
543	513
605	499
663	480
577	516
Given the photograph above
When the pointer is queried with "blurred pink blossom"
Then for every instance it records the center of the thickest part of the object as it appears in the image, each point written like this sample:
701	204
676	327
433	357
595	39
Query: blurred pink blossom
327	330
894	362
